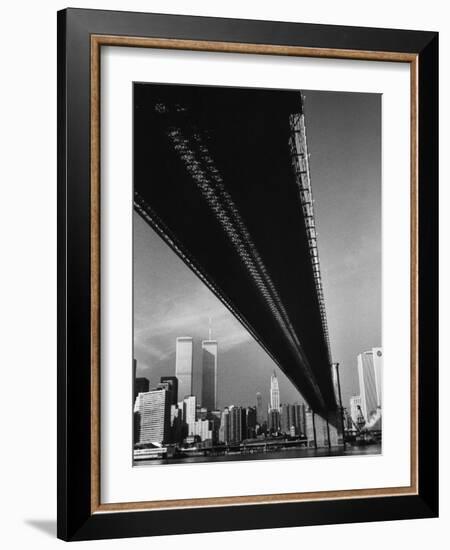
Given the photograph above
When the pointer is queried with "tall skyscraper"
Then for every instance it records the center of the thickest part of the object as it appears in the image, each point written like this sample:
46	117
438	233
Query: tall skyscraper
215	417
274	421
300	413
154	411
209	373
285	418
139	384
369	374
289	419
178	426
173	385
136	426
243	423
184	366
274	393
293	419
259	409
235	418
136	421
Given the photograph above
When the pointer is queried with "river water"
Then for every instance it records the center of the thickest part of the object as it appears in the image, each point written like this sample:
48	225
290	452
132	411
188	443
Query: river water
301	452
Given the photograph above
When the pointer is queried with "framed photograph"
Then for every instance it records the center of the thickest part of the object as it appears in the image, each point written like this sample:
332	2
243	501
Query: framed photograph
247	274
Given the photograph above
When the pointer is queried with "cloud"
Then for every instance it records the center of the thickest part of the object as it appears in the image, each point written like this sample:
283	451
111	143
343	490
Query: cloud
158	322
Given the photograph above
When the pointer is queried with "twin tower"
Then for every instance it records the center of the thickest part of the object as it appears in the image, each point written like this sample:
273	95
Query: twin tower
184	370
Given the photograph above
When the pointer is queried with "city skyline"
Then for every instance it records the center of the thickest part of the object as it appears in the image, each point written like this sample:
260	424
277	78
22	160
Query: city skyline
170	427
366	403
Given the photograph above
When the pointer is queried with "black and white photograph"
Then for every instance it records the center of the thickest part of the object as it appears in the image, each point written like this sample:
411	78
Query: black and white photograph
257	274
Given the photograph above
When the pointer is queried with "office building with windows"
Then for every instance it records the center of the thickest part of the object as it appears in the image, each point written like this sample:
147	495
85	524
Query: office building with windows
154	413
250	422
377	354
184	365
369	375
172	382
235	420
141	385
274	421
259	409
274	393
209	374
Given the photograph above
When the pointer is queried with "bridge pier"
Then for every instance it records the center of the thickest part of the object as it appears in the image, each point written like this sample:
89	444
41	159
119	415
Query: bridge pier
328	434
314	429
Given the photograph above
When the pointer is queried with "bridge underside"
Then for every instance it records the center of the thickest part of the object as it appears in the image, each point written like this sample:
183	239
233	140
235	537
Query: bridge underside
213	176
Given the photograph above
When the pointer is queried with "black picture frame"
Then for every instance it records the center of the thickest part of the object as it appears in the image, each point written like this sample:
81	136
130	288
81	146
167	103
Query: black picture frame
76	519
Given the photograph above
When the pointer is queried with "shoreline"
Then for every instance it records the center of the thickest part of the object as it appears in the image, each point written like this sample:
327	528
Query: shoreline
323	452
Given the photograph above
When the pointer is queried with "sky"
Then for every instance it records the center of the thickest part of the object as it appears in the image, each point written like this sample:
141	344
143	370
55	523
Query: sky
344	142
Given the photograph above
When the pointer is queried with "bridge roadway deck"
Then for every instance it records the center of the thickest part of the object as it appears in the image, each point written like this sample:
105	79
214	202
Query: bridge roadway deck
213	176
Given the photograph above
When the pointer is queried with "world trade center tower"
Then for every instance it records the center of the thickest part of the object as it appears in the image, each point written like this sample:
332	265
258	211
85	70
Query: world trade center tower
183	366
209	374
